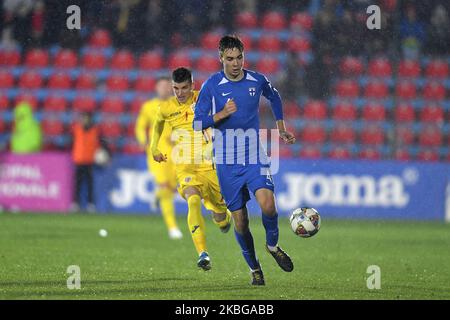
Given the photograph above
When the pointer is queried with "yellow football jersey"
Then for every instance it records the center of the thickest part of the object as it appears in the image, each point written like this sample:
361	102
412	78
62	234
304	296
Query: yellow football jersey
143	128
191	147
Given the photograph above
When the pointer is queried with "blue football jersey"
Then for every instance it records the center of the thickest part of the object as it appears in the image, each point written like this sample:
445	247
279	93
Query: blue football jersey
236	138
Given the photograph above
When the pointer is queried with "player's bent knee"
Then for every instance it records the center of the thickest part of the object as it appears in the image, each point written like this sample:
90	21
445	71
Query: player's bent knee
194	199
269	209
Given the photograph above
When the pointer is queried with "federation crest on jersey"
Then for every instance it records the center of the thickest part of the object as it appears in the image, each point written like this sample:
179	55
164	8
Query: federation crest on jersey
252	91
187	179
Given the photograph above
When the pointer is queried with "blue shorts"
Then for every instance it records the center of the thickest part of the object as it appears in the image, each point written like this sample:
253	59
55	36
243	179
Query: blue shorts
238	180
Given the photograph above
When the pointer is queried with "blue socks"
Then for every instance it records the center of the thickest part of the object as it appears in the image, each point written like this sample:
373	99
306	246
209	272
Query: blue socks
271	226
248	248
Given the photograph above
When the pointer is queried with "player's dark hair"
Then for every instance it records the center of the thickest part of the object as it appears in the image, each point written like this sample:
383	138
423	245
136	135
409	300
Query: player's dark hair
230	42
182	74
162	78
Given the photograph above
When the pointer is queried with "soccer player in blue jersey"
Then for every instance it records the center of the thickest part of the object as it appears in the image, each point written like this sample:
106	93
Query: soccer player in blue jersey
229	102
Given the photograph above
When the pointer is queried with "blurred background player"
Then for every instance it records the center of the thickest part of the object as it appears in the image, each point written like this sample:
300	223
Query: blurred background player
196	176
86	141
164	172
26	136
228	101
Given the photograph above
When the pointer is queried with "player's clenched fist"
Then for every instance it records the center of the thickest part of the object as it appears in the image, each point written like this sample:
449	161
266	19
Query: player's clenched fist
230	107
287	137
159	157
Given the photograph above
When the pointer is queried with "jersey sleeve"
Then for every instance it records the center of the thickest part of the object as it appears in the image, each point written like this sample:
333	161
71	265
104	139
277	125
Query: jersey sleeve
273	96
142	124
203	109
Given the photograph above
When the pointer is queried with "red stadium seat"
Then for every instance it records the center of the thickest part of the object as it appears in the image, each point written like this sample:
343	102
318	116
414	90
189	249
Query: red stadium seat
347	89
130	130
55	103
301	21
269	43
210	40
405	90
285	152
298	44
340	153
112	105
30	80
315	110
36	58
94	60
310	152
428	155
110	129
376	90
86	81
132	148
344	111
370	154
137	103
313	133
247	41
4	102
145	83
291	110
379	67
208	63
273	20
9	58
122	60
52	128
100	38
432	113
246	20
151	60
409	69
66	58
60	81
437	69
430	136
373	112
83	103
179	60
6	79
27	97
404	113
372	135
343	134
3	126
117	82
351	66
404	135
434	91
402	154
268	65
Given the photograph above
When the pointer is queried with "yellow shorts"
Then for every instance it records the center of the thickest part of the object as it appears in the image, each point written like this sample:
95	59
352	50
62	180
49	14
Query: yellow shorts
163	172
207	183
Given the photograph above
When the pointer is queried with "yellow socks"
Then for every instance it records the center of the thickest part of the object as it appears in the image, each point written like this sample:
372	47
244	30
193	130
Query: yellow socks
166	204
196	223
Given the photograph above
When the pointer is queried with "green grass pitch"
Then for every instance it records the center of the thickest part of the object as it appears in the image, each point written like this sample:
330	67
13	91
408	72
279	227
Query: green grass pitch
138	261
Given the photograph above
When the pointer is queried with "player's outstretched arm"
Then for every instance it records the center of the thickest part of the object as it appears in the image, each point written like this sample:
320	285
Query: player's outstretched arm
158	127
140	129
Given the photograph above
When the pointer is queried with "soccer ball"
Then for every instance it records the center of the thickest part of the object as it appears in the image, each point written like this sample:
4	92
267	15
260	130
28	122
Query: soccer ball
305	222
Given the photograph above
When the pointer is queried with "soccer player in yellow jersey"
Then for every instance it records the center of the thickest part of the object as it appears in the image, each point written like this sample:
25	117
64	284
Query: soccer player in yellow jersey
164	172
192	153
